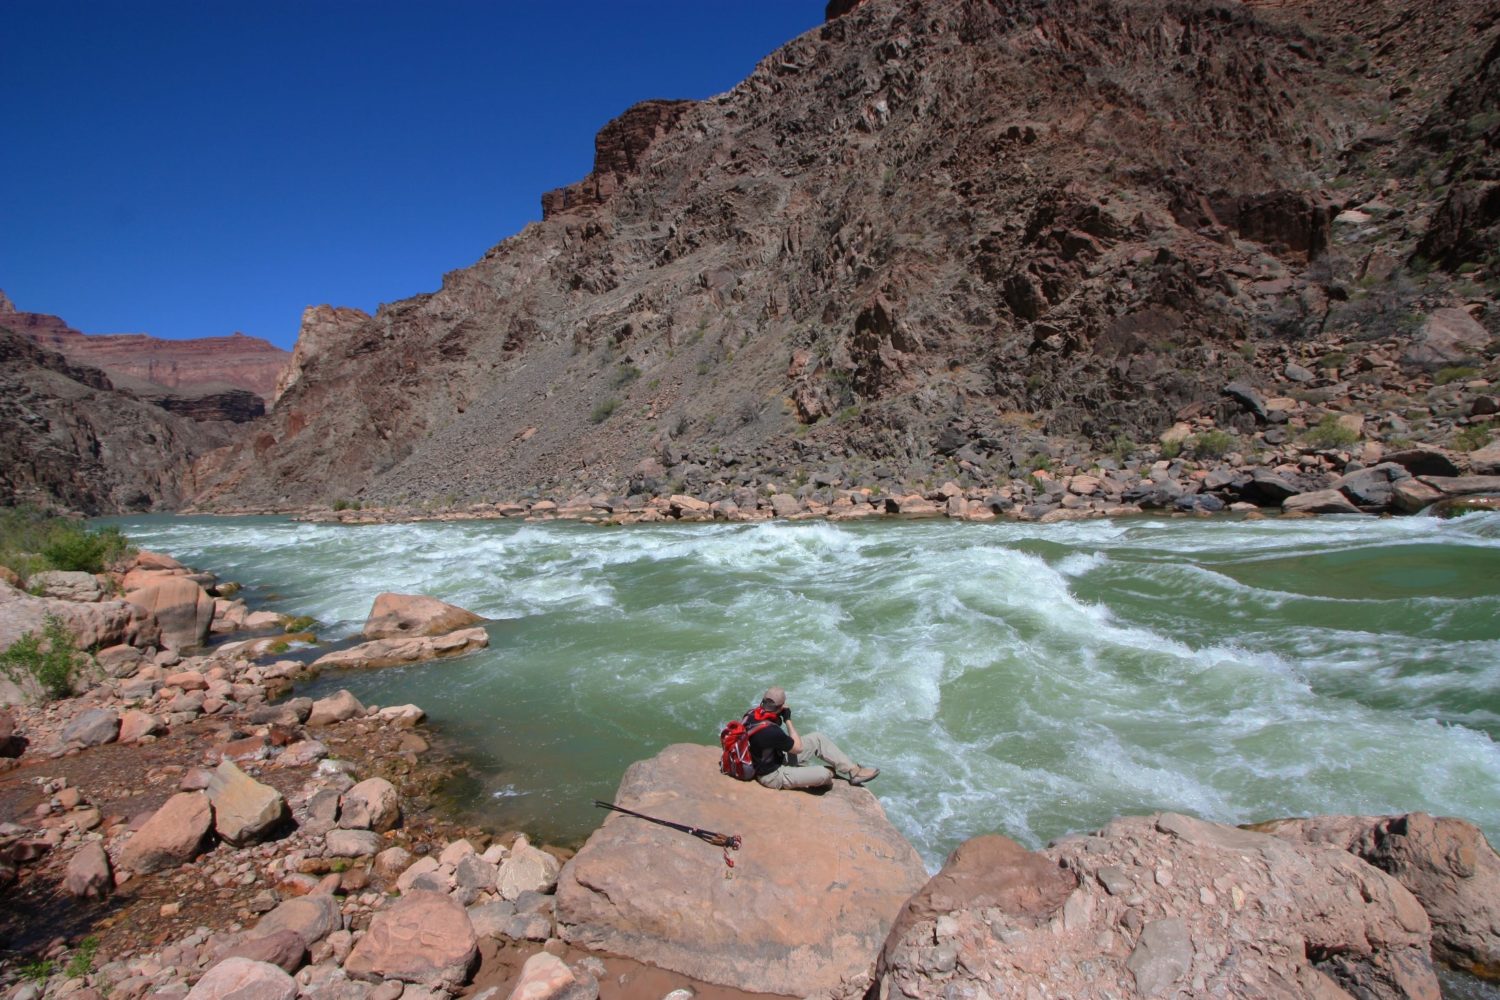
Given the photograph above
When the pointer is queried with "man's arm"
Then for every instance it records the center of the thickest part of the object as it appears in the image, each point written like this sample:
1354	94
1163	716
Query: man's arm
791	731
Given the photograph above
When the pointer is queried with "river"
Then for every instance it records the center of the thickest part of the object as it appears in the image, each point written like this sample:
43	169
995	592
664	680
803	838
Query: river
1025	679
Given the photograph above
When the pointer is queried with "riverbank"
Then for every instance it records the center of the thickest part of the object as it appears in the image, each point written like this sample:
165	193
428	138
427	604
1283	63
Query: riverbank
1298	482
179	810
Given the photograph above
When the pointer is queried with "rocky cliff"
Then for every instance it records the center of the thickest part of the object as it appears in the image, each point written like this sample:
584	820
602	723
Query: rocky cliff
949	239
201	367
68	438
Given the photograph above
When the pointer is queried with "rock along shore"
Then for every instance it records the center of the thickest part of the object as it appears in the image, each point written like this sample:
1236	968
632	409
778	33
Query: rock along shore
1298	482
173	830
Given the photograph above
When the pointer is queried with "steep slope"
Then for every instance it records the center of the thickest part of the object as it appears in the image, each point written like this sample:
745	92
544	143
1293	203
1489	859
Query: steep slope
940	238
68	439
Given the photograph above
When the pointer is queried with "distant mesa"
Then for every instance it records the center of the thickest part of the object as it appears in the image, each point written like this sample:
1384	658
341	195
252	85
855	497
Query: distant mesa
207	378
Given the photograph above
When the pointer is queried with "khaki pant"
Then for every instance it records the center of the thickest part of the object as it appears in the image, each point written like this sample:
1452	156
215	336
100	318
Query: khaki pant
812	775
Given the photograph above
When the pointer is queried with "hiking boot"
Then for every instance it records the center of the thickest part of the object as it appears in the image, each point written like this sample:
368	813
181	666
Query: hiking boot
863	775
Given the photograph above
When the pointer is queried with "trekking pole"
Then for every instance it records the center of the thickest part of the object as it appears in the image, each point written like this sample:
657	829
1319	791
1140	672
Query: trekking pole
727	841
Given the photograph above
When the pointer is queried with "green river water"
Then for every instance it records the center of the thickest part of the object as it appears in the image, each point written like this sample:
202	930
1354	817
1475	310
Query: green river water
1024	679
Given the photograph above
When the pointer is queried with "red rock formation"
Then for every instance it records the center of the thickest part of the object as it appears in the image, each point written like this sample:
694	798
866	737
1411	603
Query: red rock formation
617	151
203	364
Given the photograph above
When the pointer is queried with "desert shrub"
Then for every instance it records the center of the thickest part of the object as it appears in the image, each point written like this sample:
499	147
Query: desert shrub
48	658
623	376
602	411
31	541
38	970
1171	449
300	624
1473	437
1329	433
1446	375
1213	444
82	962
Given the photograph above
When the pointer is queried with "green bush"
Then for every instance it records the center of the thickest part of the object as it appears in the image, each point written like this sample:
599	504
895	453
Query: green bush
1446	375
1213	444
31	541
603	410
38	970
623	376
1329	434
1474	437
82	962
49	658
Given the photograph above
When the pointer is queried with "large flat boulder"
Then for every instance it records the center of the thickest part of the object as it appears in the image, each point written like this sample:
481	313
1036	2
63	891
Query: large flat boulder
94	624
414	649
818	880
426	938
174	835
244	979
397	615
181	607
1162	905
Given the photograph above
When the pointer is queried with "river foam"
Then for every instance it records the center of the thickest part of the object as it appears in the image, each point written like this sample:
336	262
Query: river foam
1015	678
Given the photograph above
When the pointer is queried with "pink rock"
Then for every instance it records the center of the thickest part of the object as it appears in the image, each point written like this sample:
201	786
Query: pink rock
89	872
370	805
337	707
182	609
831	862
244	979
425	938
173	835
395	615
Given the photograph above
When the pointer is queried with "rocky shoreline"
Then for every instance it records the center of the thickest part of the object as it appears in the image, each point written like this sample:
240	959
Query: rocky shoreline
183	829
1372	480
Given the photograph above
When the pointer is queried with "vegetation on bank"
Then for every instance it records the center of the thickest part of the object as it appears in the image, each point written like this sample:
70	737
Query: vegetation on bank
32	541
50	659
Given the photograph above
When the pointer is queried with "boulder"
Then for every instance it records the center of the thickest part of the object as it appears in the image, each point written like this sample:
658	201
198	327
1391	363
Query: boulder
1319	502
284	949
95	625
135	724
1424	461
67	586
244	979
526	869
92	728
1162	905
818	881
1463	485
337	707
1447	337
1446	863
1486	461
1372	487
302	753
415	649
311	917
1411	495
546	977
119	661
89	872
353	843
370	805
244	809
425	938
182	609
398	615
11	744
174	835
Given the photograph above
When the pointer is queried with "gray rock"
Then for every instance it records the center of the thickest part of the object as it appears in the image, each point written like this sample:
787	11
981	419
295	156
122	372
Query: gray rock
1320	502
245	810
491	919
93	728
311	917
352	843
1161	957
89	872
1372	487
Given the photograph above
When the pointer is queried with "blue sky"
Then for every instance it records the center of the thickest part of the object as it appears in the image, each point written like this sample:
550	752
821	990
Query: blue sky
188	169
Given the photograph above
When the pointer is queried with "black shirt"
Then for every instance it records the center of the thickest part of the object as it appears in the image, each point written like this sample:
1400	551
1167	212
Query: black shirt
768	747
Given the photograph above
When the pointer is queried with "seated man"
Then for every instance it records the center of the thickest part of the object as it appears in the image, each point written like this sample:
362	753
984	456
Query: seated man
775	748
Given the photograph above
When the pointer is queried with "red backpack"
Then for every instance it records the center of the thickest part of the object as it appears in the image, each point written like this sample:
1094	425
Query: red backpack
736	760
